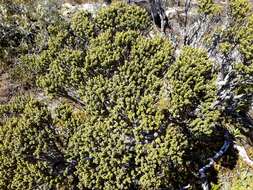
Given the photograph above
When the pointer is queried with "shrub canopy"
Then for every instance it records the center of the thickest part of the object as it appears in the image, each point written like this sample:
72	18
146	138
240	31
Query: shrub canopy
128	112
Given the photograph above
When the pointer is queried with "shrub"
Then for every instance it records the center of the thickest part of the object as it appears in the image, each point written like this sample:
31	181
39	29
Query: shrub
136	114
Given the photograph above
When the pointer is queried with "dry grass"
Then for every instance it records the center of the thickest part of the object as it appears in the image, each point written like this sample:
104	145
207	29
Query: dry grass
237	178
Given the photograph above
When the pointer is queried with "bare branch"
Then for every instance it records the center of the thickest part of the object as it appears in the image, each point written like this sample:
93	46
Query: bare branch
243	154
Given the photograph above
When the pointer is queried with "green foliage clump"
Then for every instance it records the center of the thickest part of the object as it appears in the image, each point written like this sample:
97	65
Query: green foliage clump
80	34
239	9
208	7
29	149
82	25
191	81
64	71
15	107
111	148
245	39
122	17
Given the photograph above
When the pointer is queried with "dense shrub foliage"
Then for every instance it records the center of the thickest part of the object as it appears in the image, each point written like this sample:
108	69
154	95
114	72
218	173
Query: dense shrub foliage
129	113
